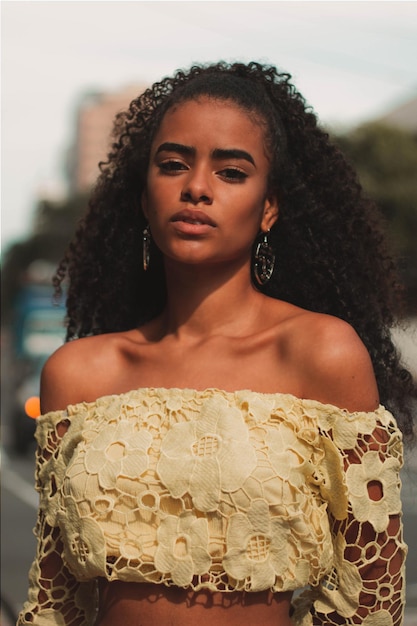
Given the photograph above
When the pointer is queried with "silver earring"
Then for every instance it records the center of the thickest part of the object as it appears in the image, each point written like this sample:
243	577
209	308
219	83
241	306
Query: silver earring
264	261
146	245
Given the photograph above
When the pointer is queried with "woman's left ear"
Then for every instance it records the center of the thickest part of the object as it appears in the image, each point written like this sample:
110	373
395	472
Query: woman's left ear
270	214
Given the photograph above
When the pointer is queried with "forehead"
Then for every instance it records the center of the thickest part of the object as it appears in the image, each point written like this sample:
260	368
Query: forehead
212	119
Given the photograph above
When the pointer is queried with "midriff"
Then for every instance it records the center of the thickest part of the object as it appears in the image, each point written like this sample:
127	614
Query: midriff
146	604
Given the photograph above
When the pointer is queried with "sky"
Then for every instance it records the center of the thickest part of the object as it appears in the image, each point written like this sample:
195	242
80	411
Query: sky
352	61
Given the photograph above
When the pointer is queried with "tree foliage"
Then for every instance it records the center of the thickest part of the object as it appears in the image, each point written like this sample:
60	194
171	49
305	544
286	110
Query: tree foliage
385	158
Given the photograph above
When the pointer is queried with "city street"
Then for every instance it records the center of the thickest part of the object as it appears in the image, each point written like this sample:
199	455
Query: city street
182	136
18	506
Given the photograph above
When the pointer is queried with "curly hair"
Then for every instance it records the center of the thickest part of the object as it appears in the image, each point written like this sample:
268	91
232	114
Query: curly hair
331	253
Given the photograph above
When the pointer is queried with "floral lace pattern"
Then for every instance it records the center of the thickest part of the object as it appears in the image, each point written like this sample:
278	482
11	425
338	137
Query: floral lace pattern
203	457
225	491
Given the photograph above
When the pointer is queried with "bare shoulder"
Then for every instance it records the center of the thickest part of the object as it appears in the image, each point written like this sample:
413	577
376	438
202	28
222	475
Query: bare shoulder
80	370
334	362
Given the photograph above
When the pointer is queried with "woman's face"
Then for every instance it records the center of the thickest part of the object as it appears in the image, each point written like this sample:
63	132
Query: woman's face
207	184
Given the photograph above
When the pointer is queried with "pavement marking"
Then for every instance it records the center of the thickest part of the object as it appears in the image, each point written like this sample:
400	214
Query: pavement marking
19	487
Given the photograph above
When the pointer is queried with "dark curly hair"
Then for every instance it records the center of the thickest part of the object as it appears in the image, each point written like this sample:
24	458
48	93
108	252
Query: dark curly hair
331	255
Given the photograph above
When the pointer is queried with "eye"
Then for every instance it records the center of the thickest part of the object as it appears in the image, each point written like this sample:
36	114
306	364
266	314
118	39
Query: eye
233	174
171	167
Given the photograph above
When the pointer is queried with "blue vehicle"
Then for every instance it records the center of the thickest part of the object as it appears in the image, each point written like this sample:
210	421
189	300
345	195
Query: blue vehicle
38	331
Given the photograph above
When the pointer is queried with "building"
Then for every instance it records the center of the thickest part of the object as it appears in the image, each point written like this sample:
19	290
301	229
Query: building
94	122
403	116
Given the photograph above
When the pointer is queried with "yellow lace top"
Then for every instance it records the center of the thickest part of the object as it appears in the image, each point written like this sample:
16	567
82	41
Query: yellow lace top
219	490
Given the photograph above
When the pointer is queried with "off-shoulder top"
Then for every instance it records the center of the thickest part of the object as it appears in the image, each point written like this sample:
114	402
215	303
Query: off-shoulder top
221	490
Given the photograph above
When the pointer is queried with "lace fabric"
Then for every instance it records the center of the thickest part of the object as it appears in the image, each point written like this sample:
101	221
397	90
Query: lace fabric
219	490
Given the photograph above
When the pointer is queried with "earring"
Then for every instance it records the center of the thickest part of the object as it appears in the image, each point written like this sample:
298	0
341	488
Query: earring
146	245
264	261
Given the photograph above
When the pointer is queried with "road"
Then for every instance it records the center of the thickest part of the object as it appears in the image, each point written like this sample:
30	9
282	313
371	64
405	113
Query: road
19	503
18	512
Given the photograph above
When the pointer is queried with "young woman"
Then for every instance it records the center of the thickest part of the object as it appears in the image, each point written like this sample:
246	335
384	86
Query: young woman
213	439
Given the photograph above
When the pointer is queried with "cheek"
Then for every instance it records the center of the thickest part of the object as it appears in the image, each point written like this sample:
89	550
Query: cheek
252	206
158	192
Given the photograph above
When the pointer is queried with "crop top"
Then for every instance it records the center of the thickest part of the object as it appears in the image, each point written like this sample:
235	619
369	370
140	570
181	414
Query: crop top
219	490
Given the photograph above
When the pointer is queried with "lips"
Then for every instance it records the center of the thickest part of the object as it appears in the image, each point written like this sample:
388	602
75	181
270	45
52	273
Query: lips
195	217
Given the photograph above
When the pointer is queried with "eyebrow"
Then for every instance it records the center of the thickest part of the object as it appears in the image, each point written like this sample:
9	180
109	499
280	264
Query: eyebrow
232	153
218	153
169	146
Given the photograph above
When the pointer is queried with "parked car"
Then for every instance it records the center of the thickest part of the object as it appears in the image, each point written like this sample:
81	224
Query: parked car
37	332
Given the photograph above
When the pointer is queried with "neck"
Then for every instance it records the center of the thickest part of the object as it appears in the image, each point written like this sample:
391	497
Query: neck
210	300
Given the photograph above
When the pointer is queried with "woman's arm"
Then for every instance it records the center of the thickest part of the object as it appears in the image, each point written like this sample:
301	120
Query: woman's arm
364	447
366	584
55	597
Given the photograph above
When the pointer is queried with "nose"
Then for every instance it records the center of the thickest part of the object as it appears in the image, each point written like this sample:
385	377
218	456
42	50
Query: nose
197	188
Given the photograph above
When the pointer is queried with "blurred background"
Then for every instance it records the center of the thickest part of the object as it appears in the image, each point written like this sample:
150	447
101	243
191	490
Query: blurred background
69	67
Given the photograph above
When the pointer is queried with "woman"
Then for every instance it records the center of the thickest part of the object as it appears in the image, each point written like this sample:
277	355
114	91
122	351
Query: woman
213	440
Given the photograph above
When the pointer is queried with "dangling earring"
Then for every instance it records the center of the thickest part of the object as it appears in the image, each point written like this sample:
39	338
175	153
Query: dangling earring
146	246
264	261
